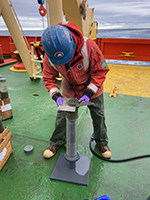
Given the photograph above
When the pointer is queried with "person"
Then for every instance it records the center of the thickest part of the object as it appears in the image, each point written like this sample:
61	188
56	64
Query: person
83	68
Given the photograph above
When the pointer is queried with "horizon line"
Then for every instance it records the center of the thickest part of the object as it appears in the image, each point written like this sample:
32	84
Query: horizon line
99	28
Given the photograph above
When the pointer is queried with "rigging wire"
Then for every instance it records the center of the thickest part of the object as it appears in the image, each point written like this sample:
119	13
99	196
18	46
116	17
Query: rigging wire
25	39
43	23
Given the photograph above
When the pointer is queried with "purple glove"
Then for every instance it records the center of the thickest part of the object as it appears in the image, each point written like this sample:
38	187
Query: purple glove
59	101
84	98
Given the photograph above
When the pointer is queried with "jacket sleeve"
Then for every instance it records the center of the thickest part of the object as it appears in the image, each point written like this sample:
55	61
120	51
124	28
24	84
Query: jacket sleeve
49	77
98	68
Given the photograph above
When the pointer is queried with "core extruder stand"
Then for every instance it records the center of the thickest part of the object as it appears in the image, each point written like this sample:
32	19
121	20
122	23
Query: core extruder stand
71	166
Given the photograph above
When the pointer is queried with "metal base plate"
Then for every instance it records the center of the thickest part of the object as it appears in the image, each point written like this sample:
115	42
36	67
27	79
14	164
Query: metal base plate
66	107
79	175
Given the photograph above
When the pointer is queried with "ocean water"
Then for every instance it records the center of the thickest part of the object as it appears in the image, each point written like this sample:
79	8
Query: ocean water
143	33
139	33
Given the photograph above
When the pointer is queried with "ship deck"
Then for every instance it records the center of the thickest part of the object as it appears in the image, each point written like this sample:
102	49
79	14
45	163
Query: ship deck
27	176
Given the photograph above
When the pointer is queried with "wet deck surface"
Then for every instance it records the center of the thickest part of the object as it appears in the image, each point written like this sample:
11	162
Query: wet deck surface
27	176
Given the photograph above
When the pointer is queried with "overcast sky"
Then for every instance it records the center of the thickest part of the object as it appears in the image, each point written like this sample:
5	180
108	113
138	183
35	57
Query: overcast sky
108	13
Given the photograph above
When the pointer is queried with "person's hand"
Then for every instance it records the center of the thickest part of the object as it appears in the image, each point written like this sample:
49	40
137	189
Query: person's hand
59	101
84	98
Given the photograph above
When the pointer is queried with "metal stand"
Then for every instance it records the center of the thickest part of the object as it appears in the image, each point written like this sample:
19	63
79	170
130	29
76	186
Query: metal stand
70	166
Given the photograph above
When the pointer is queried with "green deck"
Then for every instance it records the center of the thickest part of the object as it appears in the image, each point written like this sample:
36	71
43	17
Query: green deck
27	176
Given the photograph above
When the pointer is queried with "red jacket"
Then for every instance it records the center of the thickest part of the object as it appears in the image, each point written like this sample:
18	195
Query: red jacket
88	70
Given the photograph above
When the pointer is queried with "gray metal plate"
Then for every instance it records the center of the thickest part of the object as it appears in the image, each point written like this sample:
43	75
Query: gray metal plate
79	175
66	107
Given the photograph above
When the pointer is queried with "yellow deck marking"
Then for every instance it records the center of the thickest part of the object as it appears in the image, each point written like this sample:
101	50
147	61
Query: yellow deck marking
127	54
129	80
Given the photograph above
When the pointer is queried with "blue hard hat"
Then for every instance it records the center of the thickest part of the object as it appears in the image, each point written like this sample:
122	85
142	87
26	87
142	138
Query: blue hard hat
58	44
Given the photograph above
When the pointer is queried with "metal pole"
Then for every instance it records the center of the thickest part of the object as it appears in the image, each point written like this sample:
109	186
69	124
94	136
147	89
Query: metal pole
71	134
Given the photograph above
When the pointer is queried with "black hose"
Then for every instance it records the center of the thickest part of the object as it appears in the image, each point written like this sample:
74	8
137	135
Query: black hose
110	160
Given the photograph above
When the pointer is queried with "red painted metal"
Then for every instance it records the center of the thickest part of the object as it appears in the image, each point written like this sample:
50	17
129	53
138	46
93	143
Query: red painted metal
1	55
42	10
4	41
8	45
8	61
112	48
19	66
12	48
125	49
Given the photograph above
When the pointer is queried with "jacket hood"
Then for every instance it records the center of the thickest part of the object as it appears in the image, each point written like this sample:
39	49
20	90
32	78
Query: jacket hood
76	33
